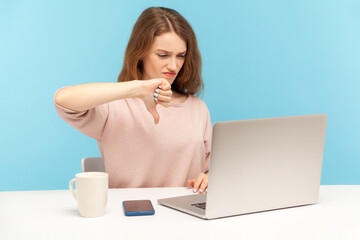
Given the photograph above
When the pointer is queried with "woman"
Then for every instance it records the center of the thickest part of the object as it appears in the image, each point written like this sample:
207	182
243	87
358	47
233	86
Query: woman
160	75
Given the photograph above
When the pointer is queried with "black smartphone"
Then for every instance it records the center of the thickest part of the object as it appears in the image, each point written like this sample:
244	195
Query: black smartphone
138	208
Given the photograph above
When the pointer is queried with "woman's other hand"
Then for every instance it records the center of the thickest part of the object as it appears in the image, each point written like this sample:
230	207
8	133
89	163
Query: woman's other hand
199	184
155	91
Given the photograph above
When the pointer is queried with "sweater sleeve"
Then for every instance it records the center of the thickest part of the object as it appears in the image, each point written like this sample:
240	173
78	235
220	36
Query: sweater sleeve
90	122
207	140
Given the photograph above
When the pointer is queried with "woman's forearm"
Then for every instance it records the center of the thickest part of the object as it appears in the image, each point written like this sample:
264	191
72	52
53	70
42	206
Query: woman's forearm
86	96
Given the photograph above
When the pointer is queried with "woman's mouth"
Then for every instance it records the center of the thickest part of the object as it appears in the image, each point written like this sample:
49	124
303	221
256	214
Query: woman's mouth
169	74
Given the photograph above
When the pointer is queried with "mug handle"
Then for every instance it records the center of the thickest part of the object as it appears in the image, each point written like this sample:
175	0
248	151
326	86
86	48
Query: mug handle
71	186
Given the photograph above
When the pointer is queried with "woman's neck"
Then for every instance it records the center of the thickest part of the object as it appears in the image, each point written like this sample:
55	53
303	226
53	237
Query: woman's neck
178	97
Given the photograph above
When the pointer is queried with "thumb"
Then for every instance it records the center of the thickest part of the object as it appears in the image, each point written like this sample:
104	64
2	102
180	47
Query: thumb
155	114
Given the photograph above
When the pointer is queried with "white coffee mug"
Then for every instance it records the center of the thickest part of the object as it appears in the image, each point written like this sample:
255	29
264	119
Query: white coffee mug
91	193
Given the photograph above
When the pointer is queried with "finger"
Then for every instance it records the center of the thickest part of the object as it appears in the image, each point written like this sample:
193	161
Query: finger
203	185
198	182
167	93
165	85
164	104
162	98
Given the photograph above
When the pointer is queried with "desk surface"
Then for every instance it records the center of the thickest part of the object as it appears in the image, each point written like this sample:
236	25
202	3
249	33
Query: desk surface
54	215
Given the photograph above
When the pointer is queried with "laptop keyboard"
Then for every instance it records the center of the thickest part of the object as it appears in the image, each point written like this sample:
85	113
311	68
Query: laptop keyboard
199	205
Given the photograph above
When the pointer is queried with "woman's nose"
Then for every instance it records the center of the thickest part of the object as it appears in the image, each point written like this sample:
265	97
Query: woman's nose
172	64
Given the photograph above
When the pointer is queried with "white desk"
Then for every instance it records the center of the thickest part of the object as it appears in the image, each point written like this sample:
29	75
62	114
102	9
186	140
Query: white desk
53	215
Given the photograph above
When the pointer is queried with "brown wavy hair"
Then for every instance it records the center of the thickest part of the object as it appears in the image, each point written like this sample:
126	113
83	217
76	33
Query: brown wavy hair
153	22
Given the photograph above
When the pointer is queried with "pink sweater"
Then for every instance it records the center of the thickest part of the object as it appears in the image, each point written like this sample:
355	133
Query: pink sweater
138	153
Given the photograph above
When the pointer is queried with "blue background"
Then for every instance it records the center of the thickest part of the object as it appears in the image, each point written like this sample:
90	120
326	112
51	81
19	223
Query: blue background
260	59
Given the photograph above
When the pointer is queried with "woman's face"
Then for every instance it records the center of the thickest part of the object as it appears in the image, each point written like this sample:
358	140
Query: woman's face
165	58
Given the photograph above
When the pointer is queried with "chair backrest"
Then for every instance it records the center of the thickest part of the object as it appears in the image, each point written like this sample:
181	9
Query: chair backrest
92	164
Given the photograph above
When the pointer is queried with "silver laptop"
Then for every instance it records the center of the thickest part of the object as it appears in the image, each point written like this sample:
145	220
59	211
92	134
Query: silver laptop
259	165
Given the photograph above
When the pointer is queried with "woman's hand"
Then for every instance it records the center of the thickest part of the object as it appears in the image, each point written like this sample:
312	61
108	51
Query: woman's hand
200	183
151	90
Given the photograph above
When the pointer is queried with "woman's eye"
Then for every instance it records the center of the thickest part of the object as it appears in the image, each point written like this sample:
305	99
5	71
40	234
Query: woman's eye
182	56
